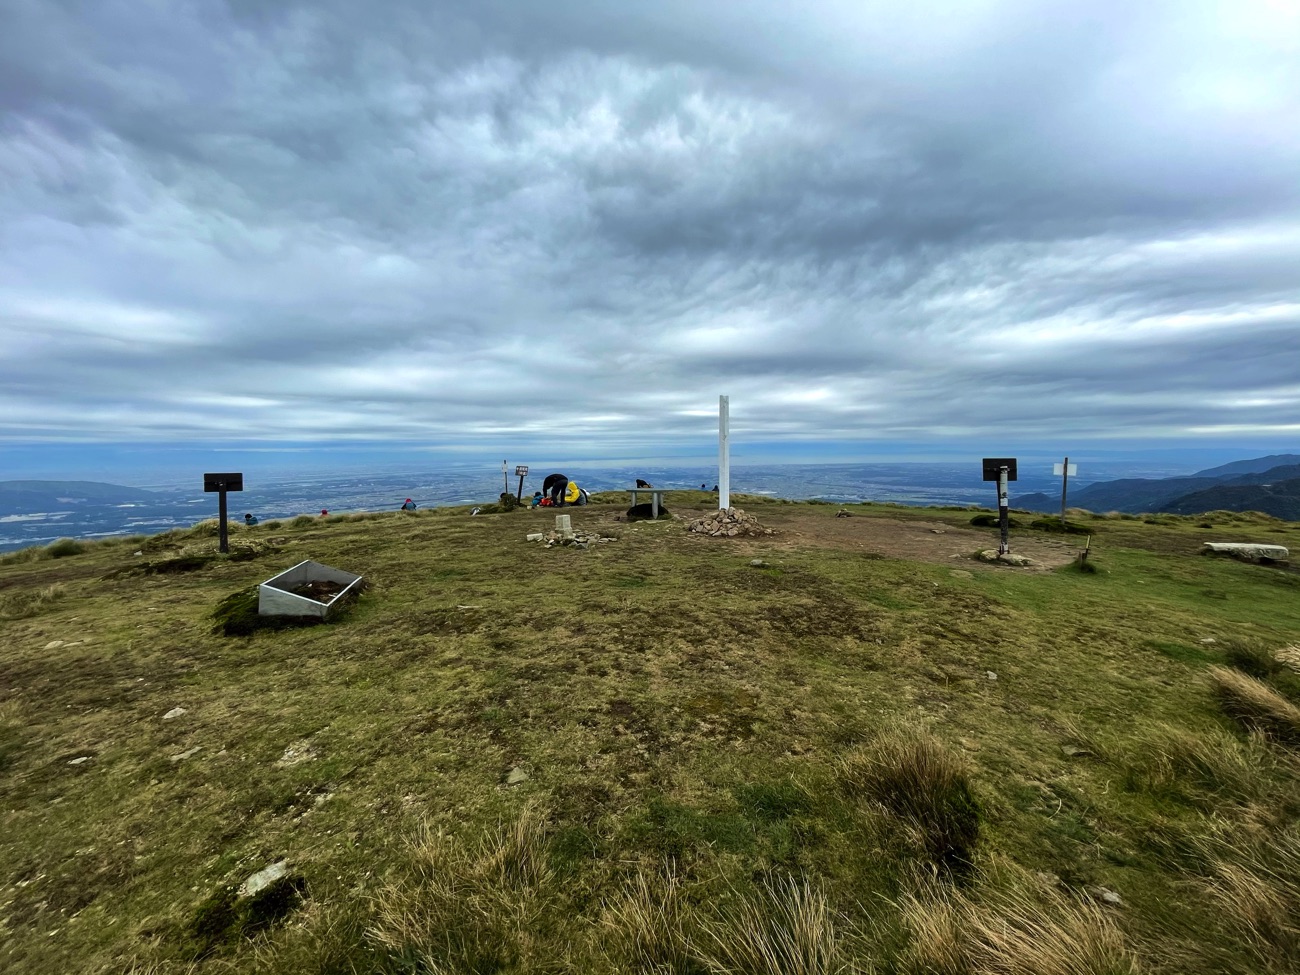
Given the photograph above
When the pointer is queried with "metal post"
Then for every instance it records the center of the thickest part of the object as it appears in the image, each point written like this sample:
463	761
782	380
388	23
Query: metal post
1003	514
724	452
225	545
1065	480
520	495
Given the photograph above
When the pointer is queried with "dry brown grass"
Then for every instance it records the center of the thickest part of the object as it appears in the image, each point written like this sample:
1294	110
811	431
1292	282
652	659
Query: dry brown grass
649	927
1256	705
477	908
1214	761
30	602
1256	879
1017	930
787	928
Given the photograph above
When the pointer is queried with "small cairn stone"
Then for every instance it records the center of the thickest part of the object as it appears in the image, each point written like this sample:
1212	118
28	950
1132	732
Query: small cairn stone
728	523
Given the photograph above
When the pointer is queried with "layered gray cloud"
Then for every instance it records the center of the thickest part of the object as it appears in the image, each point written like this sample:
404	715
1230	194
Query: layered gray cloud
468	222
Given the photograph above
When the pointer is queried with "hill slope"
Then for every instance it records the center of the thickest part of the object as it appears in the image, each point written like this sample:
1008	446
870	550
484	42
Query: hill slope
26	497
660	753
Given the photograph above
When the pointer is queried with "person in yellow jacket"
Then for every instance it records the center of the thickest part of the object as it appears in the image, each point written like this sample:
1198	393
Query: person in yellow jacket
574	494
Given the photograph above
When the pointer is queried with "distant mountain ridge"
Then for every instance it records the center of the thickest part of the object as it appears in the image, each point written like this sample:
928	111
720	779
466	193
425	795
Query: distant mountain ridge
28	497
1267	484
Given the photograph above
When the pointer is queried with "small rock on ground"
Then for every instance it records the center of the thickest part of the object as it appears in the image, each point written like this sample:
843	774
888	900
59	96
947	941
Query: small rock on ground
263	878
297	753
188	753
173	713
516	776
990	675
80	760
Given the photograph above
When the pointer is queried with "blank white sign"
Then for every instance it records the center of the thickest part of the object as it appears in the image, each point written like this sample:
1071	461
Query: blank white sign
1056	469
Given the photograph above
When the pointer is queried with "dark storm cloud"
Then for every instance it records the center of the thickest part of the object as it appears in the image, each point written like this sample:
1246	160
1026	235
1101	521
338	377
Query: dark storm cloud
260	220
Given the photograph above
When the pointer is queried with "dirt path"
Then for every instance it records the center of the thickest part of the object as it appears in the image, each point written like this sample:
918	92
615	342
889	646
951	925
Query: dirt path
921	539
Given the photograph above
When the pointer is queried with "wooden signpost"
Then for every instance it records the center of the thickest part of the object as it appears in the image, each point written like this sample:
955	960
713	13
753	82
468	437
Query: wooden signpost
521	471
1002	470
221	483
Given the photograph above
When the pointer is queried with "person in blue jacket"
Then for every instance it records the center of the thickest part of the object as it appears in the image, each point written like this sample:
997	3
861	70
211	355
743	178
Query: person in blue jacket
409	505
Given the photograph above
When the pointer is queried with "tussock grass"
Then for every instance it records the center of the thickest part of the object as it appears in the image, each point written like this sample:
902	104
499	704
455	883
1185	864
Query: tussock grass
1016	930
650	927
30	602
64	547
786	928
1256	705
1255	878
1168	758
1259	661
917	778
479	908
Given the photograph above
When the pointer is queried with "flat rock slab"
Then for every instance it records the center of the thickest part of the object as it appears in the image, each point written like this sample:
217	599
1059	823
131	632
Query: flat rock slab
1006	558
1248	550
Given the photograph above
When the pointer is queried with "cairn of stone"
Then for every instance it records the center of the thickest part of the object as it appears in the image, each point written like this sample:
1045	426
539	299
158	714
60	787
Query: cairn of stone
575	538
729	523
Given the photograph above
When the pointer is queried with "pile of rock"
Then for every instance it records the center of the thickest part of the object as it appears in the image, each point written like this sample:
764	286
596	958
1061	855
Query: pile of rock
730	523
577	539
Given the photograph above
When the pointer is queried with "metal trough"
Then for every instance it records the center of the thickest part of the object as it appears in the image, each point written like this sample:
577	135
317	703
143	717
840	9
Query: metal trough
276	597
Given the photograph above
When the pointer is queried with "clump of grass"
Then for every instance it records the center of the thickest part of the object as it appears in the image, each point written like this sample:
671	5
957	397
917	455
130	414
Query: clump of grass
1170	758
479	908
1256	705
915	777
21	556
30	602
1257	660
64	547
1256	880
303	521
787	928
1019	930
649	926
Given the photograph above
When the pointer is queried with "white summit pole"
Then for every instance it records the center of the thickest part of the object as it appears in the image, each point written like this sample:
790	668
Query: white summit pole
724	453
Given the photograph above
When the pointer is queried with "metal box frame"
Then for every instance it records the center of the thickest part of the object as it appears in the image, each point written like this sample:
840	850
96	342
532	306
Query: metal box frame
276	598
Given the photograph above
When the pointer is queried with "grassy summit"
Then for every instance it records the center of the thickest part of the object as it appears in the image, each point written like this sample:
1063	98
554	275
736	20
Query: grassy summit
868	752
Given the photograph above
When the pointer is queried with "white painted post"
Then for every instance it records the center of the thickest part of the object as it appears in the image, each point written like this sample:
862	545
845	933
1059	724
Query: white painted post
724	453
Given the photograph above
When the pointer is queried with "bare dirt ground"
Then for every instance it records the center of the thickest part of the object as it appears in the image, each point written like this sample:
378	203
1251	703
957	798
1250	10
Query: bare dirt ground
908	537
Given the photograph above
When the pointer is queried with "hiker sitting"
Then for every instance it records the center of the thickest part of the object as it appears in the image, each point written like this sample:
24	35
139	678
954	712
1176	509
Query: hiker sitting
250	520
537	499
409	505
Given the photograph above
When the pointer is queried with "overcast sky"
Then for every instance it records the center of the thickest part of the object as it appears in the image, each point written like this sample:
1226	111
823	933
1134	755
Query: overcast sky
489	223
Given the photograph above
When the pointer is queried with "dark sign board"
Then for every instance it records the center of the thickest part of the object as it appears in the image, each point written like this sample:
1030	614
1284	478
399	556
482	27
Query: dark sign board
223	482
521	470
993	467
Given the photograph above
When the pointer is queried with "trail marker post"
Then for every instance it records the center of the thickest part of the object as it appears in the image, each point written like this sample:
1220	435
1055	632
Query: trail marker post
1065	470
521	471
220	484
724	452
505	478
1002	470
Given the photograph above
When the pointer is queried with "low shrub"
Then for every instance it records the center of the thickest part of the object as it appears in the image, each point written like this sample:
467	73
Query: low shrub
237	615
918	779
987	520
1059	527
64	547
303	521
